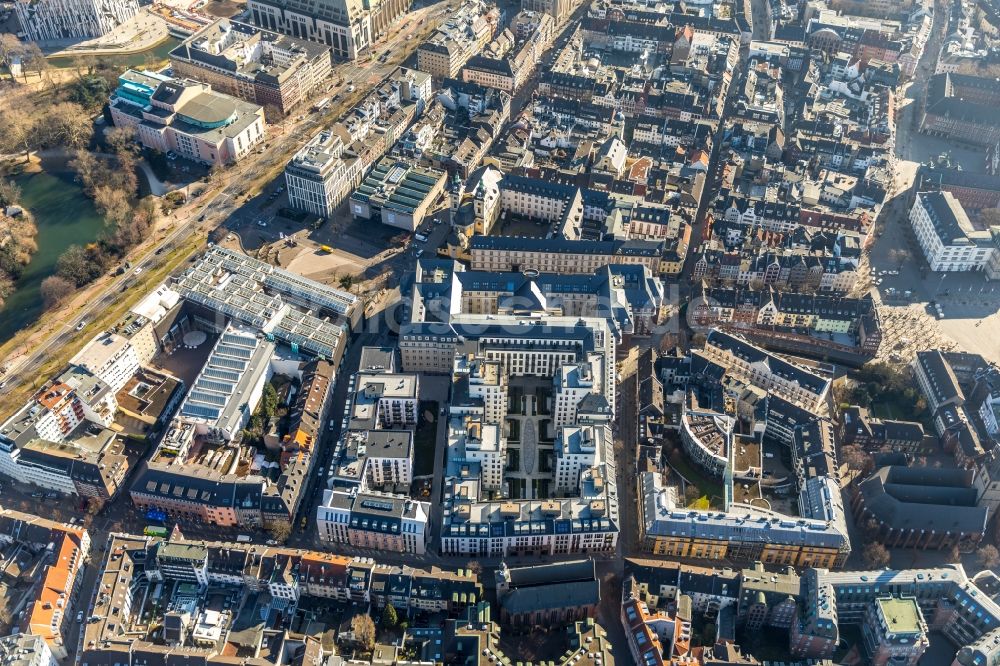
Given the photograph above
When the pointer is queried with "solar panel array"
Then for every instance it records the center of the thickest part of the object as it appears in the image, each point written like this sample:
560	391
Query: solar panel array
219	378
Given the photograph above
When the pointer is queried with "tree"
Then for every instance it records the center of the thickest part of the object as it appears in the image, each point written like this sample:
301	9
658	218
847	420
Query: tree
269	402
55	290
35	61
691	493
66	125
989	216
273	114
113	204
89	91
280	531
10	48
10	193
363	630
899	256
121	140
17	130
88	169
954	555
80	265
475	567
988	556
876	556
857	459
389	617
870	528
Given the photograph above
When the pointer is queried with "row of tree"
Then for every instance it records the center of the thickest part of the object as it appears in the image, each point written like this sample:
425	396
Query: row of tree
111	181
17	239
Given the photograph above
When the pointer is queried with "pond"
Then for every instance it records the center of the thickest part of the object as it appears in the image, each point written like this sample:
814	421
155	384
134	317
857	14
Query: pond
64	216
158	53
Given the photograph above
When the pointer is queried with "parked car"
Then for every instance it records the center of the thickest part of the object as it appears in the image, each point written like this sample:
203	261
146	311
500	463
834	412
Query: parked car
83	322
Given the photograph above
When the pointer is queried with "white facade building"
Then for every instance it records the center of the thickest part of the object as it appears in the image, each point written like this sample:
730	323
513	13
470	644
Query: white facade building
318	178
577	448
946	235
573	383
373	520
72	20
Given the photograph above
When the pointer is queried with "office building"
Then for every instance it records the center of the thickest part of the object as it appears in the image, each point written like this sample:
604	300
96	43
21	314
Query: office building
272	70
462	36
348	27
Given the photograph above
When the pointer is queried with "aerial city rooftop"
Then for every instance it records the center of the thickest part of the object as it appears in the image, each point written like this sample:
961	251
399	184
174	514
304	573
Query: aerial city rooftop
498	332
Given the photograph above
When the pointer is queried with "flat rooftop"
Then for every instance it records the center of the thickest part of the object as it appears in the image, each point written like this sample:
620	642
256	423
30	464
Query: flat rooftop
901	615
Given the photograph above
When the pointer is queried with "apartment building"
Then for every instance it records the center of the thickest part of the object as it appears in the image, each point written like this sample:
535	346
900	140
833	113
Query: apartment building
61	439
72	20
372	520
280	577
756	366
186	117
272	70
462	36
115	355
946	235
51	607
26	650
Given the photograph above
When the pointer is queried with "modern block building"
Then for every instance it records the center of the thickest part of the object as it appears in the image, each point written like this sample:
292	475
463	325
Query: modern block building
398	194
72	20
253	64
186	117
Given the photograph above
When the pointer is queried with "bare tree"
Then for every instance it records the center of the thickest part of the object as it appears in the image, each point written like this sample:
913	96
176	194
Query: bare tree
899	256
954	555
363	629
17	130
121	140
35	61
10	192
10	48
876	556
475	567
857	459
66	124
988	556
55	290
113	204
280	531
